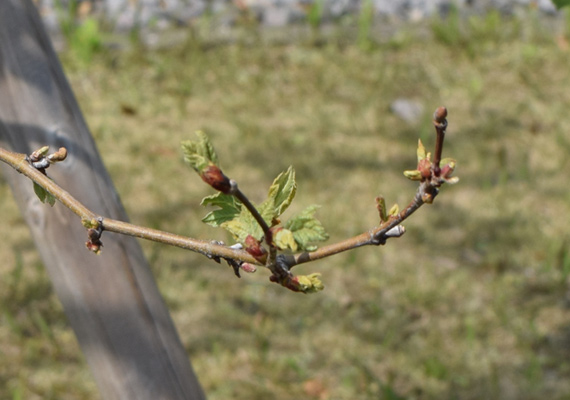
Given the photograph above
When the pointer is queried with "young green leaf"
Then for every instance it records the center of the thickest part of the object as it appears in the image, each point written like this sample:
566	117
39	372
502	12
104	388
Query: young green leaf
394	210
421	152
284	239
50	199
307	229
283	190
44	195
40	192
199	154
281	193
310	283
242	226
229	208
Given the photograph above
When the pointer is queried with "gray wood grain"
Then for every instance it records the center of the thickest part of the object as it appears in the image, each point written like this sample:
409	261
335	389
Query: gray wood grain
111	300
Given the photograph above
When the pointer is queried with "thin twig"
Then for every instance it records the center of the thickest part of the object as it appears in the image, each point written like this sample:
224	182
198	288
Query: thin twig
210	249
375	236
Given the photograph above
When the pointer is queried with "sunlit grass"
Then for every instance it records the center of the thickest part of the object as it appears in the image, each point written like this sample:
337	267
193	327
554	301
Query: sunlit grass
470	303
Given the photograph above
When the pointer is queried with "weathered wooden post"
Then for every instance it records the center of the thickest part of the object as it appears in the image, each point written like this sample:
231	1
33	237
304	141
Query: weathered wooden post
111	301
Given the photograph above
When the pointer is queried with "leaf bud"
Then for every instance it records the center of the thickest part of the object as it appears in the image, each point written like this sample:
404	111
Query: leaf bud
424	168
254	247
394	210
440	115
94	247
59	155
413	175
247	267
39	154
381	204
214	177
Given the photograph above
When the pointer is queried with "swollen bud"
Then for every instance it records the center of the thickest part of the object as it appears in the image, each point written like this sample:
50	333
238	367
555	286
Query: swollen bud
254	247
440	115
39	154
247	267
424	168
381	205
214	177
413	175
94	243
59	155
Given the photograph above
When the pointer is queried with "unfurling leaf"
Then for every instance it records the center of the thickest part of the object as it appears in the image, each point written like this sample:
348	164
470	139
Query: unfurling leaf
413	175
199	154
281	193
242	226
44	195
302	283
310	283
39	154
421	151
381	206
230	208
284	239
307	229
447	168
394	210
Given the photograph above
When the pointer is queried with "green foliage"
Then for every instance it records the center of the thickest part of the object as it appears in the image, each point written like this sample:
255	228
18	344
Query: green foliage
199	154
310	283
306	229
44	195
281	194
229	209
299	233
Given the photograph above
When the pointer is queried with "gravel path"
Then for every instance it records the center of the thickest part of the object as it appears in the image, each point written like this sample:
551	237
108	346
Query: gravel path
161	14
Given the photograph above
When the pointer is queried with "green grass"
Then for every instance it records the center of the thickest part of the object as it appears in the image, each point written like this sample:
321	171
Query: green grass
470	303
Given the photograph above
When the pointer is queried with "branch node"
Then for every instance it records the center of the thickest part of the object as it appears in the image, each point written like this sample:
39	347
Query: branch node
94	243
396	231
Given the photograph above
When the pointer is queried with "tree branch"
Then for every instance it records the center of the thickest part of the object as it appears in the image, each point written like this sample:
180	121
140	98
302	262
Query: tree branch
91	220
430	174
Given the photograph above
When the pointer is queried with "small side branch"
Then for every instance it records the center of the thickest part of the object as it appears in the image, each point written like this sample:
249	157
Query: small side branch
376	236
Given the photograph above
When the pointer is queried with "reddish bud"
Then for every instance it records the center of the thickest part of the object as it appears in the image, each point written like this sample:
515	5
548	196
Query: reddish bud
290	282
247	267
39	154
94	246
424	166
440	115
214	177
447	170
93	234
253	247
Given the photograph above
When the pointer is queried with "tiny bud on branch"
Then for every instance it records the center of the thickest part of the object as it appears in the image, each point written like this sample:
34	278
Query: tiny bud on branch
440	123
58	156
214	177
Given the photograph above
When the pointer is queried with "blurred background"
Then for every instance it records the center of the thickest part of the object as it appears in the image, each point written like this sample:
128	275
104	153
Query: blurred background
472	302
